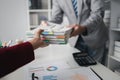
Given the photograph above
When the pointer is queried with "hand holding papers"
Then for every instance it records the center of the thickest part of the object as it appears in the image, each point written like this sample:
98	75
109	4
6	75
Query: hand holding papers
54	33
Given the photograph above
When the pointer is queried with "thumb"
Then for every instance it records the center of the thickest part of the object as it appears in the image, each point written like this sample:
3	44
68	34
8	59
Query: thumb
38	32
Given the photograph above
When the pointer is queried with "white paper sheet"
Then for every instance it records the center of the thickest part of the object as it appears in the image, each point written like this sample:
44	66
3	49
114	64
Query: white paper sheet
61	71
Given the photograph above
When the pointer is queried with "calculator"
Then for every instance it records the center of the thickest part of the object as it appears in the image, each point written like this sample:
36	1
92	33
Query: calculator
83	59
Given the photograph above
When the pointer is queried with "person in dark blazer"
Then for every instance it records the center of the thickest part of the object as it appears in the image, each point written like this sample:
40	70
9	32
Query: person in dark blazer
88	24
11	58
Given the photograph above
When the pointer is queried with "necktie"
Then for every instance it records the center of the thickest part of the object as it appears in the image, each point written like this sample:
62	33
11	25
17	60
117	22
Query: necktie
74	2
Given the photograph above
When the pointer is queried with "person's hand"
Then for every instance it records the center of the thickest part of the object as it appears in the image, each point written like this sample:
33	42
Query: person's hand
37	41
77	29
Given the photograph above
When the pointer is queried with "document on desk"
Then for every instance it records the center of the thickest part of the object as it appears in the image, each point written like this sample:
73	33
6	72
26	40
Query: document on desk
61	71
49	67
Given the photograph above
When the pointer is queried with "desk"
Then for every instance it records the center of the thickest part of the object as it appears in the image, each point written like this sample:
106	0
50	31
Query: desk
58	52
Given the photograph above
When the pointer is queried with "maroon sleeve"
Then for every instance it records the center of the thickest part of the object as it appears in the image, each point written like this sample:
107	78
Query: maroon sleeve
14	57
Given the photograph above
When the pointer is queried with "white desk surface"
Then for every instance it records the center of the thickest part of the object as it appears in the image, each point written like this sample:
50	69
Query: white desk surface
58	52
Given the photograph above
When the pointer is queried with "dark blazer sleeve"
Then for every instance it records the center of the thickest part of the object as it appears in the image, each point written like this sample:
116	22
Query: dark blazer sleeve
13	57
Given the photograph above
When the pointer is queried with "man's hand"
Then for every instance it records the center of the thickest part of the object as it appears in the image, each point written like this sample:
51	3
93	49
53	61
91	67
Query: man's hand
77	29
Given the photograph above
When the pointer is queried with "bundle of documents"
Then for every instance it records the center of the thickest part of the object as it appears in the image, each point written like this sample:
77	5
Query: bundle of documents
53	33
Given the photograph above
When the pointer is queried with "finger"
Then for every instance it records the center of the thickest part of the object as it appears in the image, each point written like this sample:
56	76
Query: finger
43	38
72	34
44	44
38	33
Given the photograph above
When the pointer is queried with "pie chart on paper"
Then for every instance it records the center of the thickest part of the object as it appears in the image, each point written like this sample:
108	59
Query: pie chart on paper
52	68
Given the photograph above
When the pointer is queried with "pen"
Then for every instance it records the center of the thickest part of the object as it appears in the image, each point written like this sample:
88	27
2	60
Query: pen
96	74
34	77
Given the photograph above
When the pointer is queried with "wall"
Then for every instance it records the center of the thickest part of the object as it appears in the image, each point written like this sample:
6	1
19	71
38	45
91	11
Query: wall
13	19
